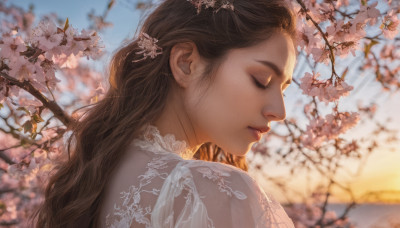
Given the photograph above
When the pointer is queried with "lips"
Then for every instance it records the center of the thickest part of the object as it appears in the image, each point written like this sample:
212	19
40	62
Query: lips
261	129
257	132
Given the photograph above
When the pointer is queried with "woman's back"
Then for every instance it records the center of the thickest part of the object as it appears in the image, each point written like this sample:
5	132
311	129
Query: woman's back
156	186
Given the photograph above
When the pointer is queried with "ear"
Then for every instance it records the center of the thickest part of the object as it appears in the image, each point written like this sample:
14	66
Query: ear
184	60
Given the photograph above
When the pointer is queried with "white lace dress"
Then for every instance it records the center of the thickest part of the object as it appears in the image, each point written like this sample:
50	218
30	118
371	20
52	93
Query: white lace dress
159	186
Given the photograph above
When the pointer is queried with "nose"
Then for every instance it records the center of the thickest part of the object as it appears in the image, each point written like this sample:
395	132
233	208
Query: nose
274	109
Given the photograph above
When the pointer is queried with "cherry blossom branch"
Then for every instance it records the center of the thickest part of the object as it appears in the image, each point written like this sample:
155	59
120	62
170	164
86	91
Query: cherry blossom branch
299	148
308	17
51	105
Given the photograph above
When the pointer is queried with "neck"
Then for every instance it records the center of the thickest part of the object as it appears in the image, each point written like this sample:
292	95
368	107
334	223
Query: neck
174	120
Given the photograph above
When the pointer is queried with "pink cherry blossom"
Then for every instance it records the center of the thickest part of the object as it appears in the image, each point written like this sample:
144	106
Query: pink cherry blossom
21	68
92	44
11	47
326	91
148	46
321	129
345	32
45	35
390	25
368	13
308	36
344	48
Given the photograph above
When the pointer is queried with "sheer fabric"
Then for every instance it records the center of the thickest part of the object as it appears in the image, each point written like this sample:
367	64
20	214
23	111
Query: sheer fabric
158	185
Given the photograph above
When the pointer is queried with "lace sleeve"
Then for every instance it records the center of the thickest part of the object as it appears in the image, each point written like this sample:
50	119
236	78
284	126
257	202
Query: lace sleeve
208	194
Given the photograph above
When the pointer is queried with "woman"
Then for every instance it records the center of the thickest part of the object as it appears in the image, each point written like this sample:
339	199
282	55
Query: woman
201	71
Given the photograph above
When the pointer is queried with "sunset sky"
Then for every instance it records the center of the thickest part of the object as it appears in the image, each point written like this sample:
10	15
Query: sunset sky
381	170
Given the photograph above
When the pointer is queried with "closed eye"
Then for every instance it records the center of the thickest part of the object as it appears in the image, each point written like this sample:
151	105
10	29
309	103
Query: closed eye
258	84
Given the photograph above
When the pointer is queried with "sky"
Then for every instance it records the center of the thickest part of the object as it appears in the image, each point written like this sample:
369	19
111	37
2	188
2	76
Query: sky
381	171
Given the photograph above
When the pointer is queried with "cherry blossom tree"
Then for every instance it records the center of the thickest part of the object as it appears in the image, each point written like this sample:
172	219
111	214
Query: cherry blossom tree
44	66
329	32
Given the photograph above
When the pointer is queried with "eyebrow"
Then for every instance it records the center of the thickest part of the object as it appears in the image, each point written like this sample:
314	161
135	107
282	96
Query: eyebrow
275	68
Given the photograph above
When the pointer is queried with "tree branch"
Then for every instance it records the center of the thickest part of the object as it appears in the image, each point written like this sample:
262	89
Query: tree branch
51	105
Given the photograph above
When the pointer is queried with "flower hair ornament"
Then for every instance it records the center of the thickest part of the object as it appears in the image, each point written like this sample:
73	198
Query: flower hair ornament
148	44
149	47
215	4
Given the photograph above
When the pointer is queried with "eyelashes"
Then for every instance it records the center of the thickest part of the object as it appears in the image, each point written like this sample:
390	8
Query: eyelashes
261	86
258	84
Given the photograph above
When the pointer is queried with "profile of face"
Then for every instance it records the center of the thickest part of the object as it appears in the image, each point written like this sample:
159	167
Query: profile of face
247	92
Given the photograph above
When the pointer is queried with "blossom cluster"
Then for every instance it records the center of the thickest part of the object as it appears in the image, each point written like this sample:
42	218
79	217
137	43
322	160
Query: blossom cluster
21	187
214	4
31	57
390	25
326	91
385	65
46	49
343	32
331	126
148	47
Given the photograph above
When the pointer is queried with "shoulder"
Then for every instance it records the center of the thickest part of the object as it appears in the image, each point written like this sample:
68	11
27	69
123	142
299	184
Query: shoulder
219	171
230	191
223	180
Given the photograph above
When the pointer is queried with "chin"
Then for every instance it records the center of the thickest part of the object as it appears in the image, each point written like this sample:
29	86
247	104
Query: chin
240	150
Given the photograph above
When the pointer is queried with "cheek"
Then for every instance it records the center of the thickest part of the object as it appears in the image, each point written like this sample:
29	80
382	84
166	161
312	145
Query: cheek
227	107
239	96
228	116
227	100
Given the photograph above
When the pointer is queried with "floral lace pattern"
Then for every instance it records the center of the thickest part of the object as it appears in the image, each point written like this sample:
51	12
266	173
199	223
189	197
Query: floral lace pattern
168	180
218	176
167	143
131	208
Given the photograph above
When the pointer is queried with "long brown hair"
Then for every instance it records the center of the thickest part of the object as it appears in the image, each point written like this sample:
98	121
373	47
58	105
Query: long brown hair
138	94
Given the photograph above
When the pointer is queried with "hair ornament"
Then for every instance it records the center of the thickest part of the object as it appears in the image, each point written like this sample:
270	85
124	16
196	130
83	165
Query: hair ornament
226	5
148	46
215	4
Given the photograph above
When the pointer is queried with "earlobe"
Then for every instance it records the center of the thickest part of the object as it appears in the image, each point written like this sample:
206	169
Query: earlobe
181	62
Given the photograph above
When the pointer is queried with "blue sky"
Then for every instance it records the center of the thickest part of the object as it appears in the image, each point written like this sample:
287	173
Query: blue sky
123	15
